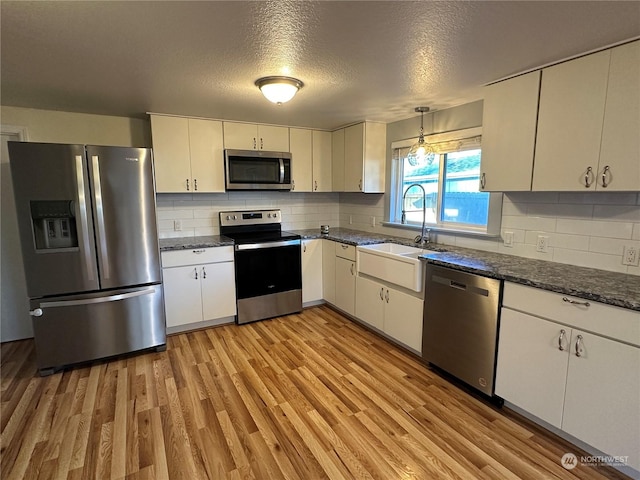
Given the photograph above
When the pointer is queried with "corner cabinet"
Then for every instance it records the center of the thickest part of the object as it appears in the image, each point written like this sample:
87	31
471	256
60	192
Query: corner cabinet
509	133
251	136
568	361
199	287
188	154
359	158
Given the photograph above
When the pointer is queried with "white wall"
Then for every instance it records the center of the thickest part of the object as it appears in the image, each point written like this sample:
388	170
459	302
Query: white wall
198	213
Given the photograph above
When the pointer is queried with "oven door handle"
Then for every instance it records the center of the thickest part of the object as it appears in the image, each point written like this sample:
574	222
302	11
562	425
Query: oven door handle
257	246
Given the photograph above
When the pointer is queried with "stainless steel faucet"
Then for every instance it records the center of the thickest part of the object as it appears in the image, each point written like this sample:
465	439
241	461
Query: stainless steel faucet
424	238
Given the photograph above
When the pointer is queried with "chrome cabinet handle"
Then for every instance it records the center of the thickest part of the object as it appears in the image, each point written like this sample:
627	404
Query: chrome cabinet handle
198	252
381	293
315	185
483	180
187	184
352	265
261	144
254	143
575	302
360	185
196	271
344	247
204	273
605	173
386	297
195	184
588	180
304	247
293	185
560	340
579	346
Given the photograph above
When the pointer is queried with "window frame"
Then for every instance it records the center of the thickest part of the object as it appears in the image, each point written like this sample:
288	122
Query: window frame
494	217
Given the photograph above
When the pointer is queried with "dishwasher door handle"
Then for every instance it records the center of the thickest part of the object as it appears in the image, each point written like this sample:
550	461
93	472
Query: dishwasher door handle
458	285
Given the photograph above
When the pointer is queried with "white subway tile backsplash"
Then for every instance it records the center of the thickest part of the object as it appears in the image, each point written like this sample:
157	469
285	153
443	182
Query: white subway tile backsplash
559	210
611	246
597	228
589	259
636	232
547	224
621	213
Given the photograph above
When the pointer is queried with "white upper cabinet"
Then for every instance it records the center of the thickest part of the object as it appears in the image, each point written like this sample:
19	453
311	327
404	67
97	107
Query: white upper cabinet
572	100
188	154
311	160
322	161
250	136
509	133
301	144
360	165
620	150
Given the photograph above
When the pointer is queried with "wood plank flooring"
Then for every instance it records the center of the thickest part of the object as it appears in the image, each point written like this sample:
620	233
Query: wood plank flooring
307	396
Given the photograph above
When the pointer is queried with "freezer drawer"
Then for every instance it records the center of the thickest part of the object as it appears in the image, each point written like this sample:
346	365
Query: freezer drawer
80	328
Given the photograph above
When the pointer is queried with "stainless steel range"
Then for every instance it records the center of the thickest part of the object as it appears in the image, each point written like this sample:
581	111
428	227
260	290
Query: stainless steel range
268	264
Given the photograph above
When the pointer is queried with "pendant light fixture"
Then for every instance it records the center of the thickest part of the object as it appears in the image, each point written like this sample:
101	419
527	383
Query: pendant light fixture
420	152
279	90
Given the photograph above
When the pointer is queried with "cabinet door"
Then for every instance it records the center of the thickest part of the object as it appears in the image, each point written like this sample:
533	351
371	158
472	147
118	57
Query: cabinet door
375	157
207	157
531	369
353	157
620	149
603	396
300	141
337	160
572	98
369	302
274	139
240	136
171	155
329	271
321	161
182	297
403	318
312	262
509	133
218	290
345	285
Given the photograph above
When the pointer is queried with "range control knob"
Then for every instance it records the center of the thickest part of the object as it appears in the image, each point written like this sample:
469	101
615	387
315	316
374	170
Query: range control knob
235	217
228	217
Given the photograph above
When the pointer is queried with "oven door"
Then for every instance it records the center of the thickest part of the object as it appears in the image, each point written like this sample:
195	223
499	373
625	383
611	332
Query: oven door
268	279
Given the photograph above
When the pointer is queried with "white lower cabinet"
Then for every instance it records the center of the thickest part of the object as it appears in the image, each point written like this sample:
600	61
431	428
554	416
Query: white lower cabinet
345	285
396	313
312	260
329	271
586	383
195	291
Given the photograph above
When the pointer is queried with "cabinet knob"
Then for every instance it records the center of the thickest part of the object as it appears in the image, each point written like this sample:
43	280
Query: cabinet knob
561	340
605	175
579	346
588	177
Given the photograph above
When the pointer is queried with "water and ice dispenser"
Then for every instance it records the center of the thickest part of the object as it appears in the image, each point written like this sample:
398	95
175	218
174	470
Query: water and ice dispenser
54	224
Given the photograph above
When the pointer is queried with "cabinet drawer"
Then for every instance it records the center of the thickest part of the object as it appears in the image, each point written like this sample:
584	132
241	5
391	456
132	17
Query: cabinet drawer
346	251
614	322
196	256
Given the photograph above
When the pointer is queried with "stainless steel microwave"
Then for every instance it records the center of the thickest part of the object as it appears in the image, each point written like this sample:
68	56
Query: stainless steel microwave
257	170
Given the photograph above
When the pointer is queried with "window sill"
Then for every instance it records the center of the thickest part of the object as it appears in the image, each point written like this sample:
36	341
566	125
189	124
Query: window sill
441	229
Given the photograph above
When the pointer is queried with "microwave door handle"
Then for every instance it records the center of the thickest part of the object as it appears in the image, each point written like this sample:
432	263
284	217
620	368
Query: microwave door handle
281	170
82	207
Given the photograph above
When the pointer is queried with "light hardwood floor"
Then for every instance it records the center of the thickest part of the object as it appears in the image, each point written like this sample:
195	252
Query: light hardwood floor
305	396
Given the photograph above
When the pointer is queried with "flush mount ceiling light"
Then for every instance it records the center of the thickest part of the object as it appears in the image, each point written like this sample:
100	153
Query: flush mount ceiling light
279	90
421	151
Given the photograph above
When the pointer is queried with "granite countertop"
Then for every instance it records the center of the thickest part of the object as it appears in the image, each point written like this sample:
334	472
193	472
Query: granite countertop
619	289
612	288
186	243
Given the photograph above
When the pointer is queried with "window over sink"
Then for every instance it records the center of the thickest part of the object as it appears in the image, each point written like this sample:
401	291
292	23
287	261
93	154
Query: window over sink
450	177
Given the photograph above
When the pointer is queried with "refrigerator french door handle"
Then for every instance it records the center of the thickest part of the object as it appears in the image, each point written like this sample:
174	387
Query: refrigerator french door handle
84	226
102	238
89	301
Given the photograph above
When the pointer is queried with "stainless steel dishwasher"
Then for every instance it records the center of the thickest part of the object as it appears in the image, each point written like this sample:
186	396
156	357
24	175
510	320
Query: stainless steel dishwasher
460	329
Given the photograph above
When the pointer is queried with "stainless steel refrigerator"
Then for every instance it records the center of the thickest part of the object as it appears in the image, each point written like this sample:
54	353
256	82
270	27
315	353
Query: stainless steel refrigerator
88	232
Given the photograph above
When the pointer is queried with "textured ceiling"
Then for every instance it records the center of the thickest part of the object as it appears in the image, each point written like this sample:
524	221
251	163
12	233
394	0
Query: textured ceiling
358	60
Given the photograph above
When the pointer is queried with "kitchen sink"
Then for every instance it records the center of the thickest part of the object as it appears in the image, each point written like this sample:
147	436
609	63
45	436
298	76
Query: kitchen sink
394	263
